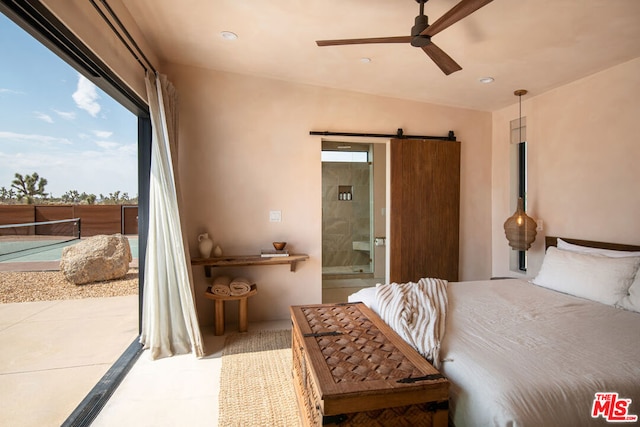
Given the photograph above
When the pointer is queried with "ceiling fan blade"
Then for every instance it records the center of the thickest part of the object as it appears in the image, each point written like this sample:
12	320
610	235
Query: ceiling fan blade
399	39
442	60
456	13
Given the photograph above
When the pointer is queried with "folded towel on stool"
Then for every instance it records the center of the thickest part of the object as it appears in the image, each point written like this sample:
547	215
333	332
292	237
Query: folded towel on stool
240	286
220	286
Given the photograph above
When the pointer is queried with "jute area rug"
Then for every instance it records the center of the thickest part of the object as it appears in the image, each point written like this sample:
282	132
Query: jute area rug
256	386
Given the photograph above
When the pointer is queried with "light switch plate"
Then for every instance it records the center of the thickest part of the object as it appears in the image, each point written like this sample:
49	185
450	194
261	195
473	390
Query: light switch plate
275	216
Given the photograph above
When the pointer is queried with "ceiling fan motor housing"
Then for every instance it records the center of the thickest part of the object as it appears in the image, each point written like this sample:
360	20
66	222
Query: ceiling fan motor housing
421	24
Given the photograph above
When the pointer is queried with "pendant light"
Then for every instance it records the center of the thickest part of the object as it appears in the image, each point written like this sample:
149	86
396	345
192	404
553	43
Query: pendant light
519	228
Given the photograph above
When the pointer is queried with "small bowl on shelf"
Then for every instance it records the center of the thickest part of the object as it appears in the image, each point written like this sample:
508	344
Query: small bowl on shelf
279	245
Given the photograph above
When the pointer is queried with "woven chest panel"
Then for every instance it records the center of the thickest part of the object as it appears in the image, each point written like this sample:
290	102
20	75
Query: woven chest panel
358	351
350	368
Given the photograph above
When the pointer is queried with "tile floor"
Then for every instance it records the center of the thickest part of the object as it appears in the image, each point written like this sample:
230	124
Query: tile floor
60	349
174	391
55	352
182	390
337	290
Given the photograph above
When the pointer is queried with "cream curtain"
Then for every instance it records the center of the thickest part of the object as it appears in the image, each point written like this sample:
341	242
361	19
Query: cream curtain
169	319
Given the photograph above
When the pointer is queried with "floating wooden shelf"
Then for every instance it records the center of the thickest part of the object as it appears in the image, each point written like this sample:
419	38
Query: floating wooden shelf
247	260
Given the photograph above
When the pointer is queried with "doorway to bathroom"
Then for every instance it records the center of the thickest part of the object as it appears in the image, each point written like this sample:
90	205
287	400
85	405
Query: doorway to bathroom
353	217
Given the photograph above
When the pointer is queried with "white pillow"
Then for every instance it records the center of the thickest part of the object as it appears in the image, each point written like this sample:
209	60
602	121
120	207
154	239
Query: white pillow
632	300
595	277
566	246
366	296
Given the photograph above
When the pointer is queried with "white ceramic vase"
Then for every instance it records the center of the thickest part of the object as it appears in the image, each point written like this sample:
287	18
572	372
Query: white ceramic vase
205	245
217	251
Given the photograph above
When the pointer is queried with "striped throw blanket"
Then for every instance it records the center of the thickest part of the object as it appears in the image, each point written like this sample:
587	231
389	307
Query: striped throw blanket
416	312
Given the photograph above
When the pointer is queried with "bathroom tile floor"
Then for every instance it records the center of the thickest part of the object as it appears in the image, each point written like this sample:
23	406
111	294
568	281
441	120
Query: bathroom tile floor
337	290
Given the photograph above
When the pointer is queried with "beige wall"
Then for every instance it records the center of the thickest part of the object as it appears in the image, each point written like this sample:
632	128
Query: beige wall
583	162
245	149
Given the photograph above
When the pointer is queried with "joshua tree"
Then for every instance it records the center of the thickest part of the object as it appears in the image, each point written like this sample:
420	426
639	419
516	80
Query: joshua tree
71	196
74	196
90	198
7	195
29	186
115	198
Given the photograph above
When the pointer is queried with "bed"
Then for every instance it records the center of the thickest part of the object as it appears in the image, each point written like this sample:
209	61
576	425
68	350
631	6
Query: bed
535	353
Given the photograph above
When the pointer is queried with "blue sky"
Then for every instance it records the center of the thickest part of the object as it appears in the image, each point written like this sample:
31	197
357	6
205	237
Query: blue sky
55	122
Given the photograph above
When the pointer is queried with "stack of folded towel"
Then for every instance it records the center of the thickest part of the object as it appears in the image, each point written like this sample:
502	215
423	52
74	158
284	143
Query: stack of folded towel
220	286
240	286
224	286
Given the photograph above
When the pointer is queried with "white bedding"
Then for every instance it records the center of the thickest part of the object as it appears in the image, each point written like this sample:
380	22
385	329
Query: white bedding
517	354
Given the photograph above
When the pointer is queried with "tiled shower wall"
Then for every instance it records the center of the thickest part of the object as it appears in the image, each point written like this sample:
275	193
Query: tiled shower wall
345	221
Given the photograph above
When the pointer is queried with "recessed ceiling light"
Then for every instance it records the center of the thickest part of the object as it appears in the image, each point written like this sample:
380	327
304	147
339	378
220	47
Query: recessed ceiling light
228	35
486	80
365	60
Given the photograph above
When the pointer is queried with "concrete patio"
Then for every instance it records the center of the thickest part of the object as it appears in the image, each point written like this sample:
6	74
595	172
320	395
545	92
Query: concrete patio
54	352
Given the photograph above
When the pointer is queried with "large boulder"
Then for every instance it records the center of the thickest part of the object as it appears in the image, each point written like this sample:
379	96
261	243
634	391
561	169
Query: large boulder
97	258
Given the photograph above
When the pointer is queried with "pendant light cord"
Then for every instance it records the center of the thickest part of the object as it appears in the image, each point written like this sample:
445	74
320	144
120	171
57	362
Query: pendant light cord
520	121
519	94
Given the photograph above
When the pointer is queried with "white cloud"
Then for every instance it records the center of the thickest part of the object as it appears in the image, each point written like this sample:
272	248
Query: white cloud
102	133
67	115
5	90
107	145
33	138
86	96
42	116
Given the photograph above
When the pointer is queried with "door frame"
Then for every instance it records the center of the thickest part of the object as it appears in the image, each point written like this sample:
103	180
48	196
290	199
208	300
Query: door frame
387	203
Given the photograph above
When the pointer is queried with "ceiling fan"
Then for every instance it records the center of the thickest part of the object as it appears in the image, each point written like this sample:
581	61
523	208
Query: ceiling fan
422	32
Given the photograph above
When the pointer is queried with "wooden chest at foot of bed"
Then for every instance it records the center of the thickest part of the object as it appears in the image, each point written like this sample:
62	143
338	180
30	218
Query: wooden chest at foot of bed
351	368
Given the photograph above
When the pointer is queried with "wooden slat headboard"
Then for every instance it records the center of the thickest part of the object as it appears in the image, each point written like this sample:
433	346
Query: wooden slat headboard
553	241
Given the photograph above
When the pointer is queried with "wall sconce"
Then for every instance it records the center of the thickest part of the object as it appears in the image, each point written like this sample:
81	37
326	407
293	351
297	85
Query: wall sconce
520	229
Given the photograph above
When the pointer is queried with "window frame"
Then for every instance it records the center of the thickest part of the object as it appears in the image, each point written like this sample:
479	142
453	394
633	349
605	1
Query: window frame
519	176
37	20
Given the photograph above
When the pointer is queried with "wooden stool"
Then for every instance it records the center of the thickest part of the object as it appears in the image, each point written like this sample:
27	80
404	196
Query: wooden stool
242	308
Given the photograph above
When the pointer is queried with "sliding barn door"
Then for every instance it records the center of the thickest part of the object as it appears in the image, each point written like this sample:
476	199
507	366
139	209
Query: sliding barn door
425	209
